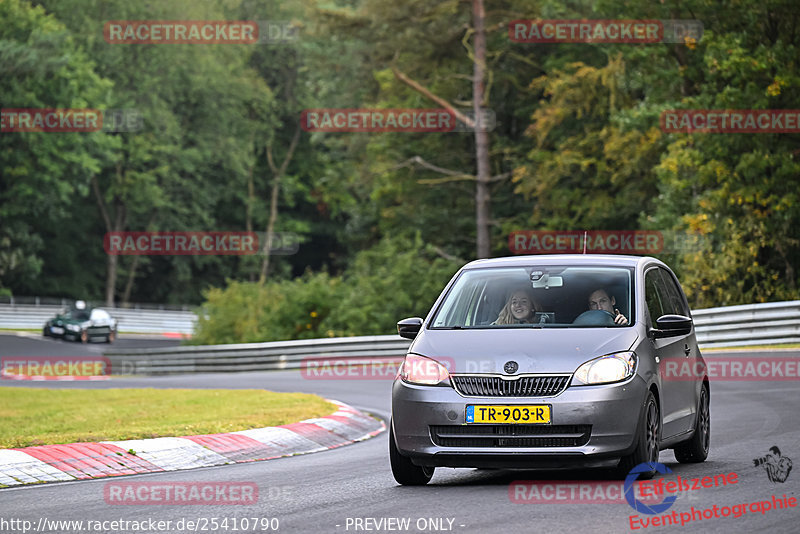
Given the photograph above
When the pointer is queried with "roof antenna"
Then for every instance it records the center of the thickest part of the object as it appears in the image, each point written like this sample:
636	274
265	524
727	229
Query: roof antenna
585	238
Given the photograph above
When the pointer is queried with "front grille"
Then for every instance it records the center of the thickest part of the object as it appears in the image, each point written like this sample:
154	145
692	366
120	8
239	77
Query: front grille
510	435
523	386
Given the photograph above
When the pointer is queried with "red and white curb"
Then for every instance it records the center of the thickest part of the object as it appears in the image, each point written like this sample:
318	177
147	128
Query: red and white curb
41	378
51	463
127	335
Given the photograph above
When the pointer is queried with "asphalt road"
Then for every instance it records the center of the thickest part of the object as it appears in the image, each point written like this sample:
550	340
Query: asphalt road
330	491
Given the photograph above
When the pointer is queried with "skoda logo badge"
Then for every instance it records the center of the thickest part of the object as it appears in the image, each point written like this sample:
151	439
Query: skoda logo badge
511	367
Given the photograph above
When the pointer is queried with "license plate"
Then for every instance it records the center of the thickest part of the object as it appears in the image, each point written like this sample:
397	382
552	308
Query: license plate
56	330
508	414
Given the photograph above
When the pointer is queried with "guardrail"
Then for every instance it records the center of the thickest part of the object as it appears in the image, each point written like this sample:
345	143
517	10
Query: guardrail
753	324
269	356
142	321
64	303
749	324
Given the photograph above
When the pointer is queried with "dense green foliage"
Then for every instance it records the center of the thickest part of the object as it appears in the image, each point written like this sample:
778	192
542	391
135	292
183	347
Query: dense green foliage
577	146
396	278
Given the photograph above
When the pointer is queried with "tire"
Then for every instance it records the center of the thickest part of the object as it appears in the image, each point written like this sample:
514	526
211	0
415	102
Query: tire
695	450
45	332
405	472
646	449
111	336
84	336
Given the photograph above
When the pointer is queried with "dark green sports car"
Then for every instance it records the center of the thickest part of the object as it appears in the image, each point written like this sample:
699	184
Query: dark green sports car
82	325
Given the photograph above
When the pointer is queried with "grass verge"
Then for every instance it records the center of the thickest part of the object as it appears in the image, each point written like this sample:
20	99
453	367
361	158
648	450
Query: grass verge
38	416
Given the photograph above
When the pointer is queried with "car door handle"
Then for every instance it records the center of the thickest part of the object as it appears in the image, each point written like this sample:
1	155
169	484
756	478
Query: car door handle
686	350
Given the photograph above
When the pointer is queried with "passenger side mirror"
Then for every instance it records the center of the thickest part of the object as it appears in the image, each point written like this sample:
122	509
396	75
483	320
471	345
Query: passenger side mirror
671	325
409	328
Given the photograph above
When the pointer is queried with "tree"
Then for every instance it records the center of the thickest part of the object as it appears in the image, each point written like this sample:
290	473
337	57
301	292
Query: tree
42	172
193	99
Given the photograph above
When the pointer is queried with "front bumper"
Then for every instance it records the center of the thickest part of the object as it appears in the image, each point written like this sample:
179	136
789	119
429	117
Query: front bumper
612	411
60	331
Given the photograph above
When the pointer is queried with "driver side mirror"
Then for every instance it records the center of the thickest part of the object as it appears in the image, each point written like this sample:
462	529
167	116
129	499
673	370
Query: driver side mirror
409	328
671	325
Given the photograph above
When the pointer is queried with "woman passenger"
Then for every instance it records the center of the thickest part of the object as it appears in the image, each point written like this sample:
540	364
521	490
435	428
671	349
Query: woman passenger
521	307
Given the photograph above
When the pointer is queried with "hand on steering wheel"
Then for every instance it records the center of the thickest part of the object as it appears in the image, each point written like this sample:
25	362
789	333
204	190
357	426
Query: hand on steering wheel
619	318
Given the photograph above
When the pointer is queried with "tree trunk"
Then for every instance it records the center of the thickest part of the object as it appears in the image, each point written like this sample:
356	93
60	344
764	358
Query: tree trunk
273	216
277	173
482	179
126	295
116	226
251	191
482	193
251	200
273	206
111	279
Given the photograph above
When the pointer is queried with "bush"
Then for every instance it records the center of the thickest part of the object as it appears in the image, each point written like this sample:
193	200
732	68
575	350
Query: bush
398	278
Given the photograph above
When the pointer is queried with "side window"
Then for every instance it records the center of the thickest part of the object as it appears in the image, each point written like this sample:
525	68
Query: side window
652	294
460	310
674	294
473	306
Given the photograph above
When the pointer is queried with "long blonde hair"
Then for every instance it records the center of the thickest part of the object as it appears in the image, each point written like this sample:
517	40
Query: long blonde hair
506	317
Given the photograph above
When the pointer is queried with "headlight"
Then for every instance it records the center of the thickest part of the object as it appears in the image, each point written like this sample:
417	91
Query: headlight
73	328
606	369
421	370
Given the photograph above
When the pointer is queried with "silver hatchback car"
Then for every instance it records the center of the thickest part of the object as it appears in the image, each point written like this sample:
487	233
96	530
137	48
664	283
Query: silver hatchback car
557	361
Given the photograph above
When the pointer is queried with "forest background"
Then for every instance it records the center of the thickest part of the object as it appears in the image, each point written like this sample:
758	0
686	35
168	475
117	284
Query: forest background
385	219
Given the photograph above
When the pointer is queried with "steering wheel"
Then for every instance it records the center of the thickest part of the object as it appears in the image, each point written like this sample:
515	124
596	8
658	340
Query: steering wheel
595	318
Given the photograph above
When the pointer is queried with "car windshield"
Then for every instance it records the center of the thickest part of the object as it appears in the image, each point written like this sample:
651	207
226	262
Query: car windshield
77	315
538	297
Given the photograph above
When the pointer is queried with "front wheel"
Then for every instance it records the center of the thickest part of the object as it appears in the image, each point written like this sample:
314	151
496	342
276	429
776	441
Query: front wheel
84	336
646	450
695	450
405	472
111	337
